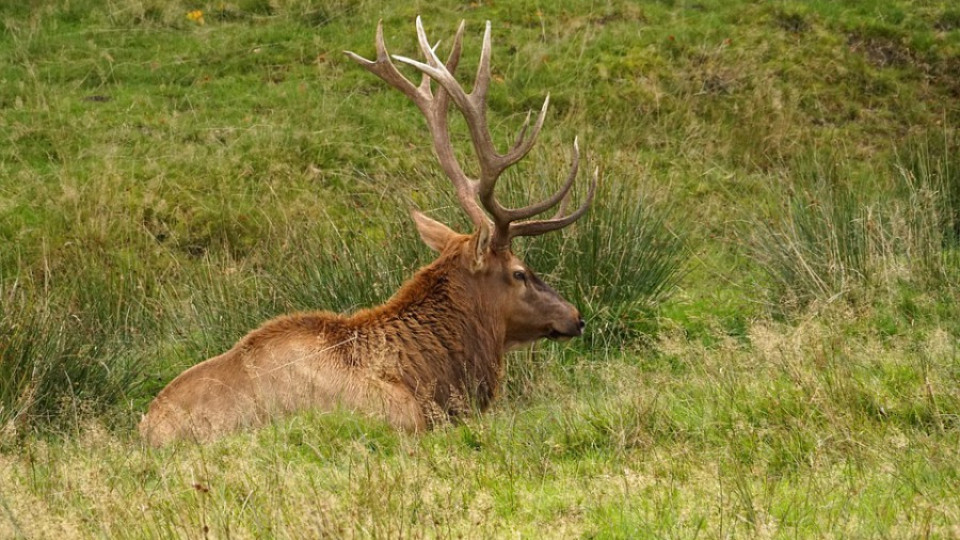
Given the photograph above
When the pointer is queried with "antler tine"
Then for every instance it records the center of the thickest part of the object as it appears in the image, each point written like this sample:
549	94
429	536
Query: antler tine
482	82
538	227
454	59
473	108
514	214
382	67
524	143
434	68
451	63
428	52
523	131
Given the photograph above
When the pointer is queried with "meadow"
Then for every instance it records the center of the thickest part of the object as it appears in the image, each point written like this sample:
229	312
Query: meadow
770	273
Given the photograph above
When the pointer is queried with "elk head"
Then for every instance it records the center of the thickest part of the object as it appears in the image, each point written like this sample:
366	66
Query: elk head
529	308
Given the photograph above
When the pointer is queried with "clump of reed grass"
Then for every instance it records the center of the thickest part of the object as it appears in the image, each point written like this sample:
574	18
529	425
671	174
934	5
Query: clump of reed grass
833	240
68	347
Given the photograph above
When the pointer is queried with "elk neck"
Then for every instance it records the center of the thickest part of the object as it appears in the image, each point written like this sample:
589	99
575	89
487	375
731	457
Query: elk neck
445	331
440	298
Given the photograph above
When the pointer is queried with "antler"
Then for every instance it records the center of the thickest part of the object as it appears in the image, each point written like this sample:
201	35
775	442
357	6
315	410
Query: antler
506	222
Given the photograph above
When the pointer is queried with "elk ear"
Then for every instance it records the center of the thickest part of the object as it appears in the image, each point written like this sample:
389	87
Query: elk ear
481	244
434	234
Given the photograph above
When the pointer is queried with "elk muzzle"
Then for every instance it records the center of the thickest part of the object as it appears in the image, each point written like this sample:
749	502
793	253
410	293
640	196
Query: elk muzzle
568	328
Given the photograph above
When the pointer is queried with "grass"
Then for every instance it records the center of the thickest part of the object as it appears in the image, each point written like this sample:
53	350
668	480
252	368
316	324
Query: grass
769	271
831	241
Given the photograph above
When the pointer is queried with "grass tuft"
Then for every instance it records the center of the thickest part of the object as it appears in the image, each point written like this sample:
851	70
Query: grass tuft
834	240
618	264
65	351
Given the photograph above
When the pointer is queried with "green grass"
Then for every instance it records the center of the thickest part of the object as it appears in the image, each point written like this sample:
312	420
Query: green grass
768	273
862	241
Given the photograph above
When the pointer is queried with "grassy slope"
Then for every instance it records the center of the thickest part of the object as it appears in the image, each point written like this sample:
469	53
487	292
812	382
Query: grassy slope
164	186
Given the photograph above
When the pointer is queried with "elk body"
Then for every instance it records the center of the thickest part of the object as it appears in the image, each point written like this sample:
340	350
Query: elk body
434	351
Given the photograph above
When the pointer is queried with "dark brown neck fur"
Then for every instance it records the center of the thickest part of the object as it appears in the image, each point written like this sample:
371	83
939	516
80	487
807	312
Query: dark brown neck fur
449	342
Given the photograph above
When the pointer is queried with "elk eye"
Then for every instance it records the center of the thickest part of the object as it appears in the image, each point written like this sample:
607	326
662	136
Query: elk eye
519	276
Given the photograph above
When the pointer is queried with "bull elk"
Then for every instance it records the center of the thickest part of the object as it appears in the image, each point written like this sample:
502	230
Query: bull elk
434	351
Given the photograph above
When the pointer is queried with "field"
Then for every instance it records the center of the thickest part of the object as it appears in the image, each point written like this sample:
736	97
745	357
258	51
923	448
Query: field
770	273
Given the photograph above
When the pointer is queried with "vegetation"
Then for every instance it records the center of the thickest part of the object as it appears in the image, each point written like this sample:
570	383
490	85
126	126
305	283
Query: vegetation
769	275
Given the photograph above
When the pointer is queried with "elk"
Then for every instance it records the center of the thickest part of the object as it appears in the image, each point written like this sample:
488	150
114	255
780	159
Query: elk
434	351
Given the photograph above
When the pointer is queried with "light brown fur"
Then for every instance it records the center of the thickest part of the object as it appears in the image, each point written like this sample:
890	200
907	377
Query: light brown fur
432	353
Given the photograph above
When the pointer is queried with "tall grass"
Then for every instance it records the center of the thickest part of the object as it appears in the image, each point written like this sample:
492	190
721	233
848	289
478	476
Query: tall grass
68	348
933	161
834	240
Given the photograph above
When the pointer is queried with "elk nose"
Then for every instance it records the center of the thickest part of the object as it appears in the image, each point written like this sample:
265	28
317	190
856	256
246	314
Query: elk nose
581	324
